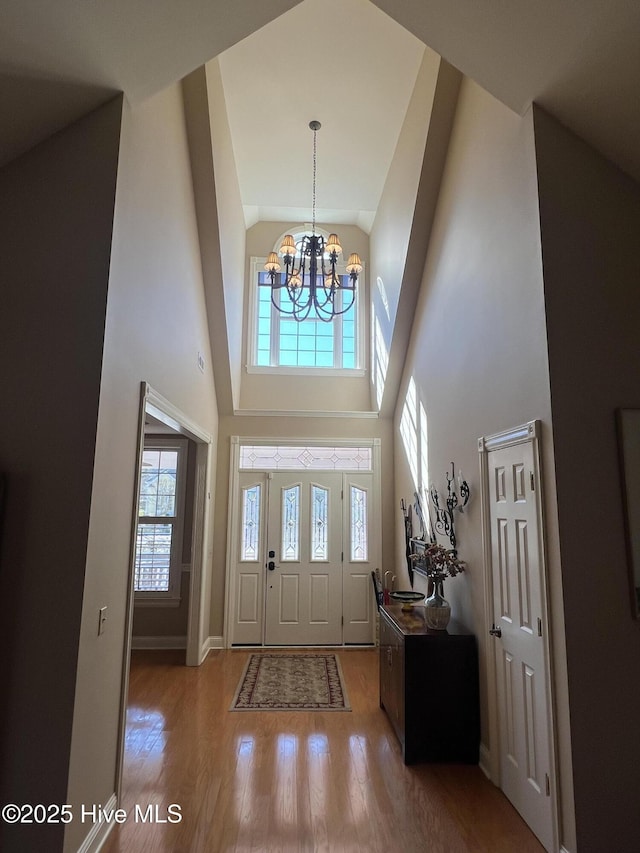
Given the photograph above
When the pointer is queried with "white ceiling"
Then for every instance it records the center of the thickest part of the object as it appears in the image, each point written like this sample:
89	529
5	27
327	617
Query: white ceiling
354	75
578	58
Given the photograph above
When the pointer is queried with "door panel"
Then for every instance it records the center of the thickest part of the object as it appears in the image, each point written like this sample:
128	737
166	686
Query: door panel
248	598
304	592
359	558
248	587
523	702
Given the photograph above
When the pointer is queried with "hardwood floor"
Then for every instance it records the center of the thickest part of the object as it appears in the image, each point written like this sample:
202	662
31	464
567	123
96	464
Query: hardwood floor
291	781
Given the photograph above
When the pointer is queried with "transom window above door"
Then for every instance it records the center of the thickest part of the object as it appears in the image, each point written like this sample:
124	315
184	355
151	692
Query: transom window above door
278	457
278	342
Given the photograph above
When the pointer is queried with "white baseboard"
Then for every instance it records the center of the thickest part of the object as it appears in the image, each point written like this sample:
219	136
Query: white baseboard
484	761
158	642
100	830
209	644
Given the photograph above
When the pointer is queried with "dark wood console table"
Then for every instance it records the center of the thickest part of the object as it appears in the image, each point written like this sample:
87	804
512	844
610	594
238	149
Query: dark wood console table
429	687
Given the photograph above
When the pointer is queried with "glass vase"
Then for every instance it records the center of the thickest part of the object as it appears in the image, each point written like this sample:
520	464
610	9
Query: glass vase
437	611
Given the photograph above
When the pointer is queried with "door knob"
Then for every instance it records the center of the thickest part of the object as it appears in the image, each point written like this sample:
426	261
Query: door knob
271	565
495	632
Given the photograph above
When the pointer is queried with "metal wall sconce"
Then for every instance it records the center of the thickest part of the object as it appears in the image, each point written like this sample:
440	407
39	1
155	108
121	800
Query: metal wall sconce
445	514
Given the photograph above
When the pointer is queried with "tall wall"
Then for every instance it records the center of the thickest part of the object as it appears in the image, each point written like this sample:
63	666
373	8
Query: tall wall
394	217
156	324
478	351
56	217
231	224
590	221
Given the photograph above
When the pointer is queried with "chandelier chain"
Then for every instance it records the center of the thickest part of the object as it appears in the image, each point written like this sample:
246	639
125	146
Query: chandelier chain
315	284
313	203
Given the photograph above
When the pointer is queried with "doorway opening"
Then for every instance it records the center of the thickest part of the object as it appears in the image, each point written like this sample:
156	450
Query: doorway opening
303	538
170	518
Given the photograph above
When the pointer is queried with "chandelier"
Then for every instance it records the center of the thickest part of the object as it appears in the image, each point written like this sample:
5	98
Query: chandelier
310	277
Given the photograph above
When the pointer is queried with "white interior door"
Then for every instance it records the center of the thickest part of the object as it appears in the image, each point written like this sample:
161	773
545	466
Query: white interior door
304	559
524	717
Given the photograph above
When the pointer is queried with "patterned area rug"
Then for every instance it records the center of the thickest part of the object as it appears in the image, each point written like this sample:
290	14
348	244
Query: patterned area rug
299	682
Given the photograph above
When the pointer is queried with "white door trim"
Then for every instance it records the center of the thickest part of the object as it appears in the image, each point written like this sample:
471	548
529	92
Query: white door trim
528	432
233	519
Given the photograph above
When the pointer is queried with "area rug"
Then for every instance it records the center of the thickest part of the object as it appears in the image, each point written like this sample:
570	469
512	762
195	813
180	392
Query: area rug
298	682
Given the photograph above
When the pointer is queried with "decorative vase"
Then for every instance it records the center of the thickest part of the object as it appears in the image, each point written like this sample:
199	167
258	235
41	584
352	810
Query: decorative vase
437	610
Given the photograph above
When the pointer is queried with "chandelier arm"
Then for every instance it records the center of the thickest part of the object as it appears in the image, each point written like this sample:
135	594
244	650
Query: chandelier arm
275	287
344	289
301	316
297	304
294	313
327	316
295	295
350	305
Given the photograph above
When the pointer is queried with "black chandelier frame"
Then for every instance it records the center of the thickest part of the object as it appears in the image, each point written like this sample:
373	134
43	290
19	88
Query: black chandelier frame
315	284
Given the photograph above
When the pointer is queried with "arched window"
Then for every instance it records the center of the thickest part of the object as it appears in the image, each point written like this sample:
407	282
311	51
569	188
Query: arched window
279	341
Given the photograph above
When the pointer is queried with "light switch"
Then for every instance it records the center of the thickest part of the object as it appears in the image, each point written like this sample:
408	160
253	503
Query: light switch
102	620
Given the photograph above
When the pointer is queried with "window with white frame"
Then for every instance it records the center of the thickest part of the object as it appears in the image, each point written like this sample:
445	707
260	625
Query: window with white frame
158	553
279	341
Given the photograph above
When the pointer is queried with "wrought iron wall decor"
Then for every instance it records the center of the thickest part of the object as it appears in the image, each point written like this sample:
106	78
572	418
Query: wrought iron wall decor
455	501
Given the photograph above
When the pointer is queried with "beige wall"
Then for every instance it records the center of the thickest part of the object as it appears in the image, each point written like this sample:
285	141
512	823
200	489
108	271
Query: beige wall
56	215
394	217
309	393
590	221
156	324
478	346
231	224
402	228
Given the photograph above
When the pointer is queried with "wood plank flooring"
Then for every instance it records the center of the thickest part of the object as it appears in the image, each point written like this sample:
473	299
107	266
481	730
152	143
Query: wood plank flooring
291	781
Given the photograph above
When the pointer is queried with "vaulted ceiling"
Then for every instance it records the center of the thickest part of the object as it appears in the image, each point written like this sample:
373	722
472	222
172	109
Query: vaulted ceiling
356	78
579	59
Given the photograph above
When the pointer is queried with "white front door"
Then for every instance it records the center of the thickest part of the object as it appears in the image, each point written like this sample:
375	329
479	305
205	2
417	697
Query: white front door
524	719
304	559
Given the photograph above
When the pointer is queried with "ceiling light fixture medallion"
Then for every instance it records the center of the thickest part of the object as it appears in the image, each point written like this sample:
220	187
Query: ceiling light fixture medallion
310	276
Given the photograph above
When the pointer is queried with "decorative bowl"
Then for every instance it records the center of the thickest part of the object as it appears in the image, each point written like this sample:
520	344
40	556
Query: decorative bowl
406	597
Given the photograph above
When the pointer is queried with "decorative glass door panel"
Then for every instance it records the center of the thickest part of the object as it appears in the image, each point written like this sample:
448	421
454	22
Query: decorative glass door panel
250	535
248	582
290	542
319	524
358	527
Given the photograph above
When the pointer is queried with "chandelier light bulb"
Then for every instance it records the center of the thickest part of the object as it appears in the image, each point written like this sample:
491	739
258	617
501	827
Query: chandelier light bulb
288	246
333	244
272	264
354	264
